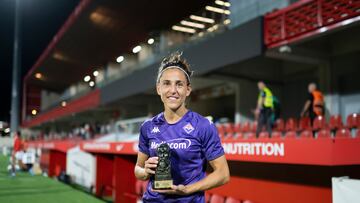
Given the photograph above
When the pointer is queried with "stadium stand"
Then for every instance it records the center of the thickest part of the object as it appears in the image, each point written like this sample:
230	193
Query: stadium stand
253	126
238	135
353	121
343	133
306	134
216	199
324	133
319	123
279	125
291	124
335	122
245	127
232	200
237	127
221	130
290	134
276	135
280	45
229	128
304	124
264	135
250	135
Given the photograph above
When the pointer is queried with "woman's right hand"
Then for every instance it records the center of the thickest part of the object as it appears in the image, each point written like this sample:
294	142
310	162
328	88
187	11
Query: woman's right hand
150	165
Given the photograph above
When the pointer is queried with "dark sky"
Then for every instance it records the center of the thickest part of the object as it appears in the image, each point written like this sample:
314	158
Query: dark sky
41	20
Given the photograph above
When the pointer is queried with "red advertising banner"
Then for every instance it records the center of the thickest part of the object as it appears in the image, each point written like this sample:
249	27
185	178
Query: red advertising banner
110	147
58	145
321	151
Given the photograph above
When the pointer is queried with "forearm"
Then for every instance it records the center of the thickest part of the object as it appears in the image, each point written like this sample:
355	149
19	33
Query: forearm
140	173
260	103
213	180
306	106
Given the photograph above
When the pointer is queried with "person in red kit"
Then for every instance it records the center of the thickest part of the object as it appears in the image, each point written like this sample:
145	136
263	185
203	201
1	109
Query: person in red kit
18	145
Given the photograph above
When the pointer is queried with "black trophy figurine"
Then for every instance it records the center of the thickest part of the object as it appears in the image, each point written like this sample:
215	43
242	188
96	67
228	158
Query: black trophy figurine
163	178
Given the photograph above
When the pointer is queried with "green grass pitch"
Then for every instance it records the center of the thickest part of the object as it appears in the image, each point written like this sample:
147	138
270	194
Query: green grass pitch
25	188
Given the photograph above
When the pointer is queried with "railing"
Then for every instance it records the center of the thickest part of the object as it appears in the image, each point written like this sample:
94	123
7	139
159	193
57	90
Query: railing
304	17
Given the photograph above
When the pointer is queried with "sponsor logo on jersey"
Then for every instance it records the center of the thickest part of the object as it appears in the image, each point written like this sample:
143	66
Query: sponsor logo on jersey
188	128
179	143
155	130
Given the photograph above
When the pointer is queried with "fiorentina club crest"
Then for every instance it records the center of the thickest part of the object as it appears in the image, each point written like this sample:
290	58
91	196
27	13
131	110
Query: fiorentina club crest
188	128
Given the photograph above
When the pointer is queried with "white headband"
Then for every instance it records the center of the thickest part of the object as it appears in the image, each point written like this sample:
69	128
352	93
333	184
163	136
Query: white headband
186	74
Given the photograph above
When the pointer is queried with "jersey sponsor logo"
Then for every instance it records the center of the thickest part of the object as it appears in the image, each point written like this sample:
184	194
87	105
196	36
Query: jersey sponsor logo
188	128
179	143
155	130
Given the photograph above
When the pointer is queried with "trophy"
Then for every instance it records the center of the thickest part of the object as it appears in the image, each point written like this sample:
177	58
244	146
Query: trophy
163	178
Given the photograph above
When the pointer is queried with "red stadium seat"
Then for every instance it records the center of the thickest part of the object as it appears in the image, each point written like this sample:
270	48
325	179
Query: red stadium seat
343	133
335	122
228	128
221	135
221	129
238	135
276	135
253	126
217	199
207	197
229	136
264	135
279	125
291	124
305	123
245	127
290	134
319	123
324	133
232	200
306	134
250	135
353	121
237	127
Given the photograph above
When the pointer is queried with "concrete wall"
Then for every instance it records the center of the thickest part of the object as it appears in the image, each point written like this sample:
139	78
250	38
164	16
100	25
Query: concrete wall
245	10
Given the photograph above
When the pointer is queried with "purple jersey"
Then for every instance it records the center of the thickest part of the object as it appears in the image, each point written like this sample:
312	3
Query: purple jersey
193	140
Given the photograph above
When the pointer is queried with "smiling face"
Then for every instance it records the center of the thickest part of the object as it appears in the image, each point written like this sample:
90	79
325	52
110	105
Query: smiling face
173	89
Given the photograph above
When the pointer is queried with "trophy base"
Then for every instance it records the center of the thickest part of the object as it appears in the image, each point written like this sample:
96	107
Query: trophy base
162	184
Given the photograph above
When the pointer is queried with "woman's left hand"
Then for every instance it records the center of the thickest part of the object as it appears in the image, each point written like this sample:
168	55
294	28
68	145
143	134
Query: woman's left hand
175	190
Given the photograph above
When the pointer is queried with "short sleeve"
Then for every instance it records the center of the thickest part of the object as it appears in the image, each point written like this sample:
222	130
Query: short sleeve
143	141
211	143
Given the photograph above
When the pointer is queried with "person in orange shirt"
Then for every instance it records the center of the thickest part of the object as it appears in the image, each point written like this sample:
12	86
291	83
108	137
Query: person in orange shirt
16	148
314	105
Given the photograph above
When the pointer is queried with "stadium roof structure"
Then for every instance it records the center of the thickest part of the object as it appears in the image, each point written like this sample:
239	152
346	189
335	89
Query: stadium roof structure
252	51
97	32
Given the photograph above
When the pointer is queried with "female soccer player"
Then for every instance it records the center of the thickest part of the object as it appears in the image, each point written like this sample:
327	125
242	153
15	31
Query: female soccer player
193	141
